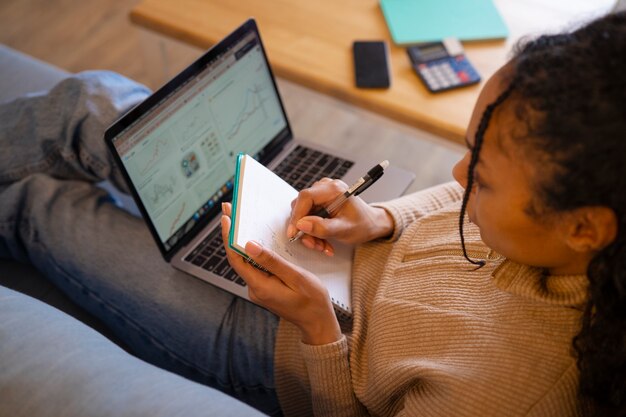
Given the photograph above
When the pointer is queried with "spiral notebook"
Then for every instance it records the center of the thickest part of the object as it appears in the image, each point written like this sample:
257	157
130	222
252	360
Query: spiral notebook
261	211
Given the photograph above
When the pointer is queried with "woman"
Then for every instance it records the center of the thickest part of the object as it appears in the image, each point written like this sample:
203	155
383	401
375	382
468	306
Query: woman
544	181
433	334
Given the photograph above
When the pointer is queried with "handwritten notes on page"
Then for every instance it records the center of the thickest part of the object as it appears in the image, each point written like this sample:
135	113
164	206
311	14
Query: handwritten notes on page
261	212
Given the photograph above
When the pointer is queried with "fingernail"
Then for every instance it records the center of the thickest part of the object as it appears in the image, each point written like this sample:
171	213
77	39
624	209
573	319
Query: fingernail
223	207
291	230
328	252
253	248
305	226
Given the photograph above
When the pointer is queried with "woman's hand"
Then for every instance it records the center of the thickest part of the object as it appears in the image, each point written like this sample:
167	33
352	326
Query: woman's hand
289	291
355	222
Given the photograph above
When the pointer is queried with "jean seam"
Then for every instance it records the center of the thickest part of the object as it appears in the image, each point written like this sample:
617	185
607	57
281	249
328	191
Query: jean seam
95	165
24	171
235	386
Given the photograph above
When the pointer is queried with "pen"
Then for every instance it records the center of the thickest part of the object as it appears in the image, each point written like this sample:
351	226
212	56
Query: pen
357	188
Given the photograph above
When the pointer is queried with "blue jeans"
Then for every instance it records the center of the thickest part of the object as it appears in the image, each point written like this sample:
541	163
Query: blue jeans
52	153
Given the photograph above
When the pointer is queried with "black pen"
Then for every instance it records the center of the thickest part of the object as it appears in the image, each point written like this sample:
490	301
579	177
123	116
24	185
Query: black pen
357	188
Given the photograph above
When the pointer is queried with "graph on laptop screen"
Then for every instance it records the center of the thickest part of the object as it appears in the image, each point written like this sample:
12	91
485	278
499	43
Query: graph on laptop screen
182	158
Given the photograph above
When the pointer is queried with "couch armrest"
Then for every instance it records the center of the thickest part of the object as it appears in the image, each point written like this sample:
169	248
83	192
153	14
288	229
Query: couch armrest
23	74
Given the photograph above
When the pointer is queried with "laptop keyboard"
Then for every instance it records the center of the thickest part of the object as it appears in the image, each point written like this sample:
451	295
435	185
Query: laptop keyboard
301	168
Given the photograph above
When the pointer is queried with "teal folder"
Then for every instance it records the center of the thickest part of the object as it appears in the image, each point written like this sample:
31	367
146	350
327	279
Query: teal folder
414	21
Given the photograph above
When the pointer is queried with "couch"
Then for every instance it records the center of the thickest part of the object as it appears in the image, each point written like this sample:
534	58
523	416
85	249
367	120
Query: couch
56	359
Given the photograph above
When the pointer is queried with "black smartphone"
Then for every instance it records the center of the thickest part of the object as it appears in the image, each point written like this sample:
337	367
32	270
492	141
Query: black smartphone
371	64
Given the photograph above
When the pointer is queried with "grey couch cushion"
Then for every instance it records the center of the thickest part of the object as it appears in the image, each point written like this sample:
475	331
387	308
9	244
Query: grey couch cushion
51	365
23	74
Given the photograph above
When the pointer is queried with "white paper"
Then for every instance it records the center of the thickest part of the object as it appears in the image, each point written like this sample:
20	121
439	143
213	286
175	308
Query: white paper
262	214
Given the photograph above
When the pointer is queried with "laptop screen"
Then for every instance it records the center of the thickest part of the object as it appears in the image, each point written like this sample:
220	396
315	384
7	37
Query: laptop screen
179	155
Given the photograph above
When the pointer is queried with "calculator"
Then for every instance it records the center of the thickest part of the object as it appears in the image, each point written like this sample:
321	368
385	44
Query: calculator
442	65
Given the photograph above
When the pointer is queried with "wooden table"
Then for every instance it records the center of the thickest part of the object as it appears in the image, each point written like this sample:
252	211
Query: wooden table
310	42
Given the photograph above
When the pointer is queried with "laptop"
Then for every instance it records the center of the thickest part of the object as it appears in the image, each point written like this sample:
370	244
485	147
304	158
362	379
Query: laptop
178	149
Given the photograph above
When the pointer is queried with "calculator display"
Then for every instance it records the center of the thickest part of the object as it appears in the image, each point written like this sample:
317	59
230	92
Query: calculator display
436	51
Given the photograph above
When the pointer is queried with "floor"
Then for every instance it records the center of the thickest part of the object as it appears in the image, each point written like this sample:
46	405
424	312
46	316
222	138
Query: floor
78	35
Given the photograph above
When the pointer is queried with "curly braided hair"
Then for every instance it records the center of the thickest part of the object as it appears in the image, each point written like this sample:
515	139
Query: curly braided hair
570	93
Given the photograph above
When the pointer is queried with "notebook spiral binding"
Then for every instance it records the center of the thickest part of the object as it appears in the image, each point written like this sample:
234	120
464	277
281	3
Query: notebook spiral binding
256	265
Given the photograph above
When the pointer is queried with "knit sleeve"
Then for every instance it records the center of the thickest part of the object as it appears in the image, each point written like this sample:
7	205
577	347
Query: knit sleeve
406	209
332	393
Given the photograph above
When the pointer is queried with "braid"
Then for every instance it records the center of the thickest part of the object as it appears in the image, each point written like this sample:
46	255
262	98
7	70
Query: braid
576	124
478	143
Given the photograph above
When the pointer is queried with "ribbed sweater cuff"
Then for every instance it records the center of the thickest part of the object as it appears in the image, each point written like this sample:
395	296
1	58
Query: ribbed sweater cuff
331	351
328	366
398	221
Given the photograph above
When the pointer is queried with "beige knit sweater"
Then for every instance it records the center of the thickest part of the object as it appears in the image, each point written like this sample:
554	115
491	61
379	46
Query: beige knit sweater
434	337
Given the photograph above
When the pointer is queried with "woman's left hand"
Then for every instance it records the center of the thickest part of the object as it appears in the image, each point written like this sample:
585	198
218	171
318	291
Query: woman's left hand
289	291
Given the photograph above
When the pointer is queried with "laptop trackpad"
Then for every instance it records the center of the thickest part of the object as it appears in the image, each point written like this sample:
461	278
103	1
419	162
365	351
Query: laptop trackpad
392	184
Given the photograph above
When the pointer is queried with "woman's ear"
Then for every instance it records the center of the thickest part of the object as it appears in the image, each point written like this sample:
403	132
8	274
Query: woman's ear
590	229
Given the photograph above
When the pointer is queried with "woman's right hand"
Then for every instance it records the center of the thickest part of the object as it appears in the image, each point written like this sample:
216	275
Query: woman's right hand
355	222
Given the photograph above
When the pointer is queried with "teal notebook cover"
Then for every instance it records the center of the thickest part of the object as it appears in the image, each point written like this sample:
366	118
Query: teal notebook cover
414	21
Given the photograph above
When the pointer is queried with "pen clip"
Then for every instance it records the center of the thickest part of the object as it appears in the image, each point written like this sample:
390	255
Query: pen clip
364	186
370	180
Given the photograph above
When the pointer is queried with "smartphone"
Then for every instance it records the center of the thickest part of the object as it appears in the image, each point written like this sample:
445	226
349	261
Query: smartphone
371	64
